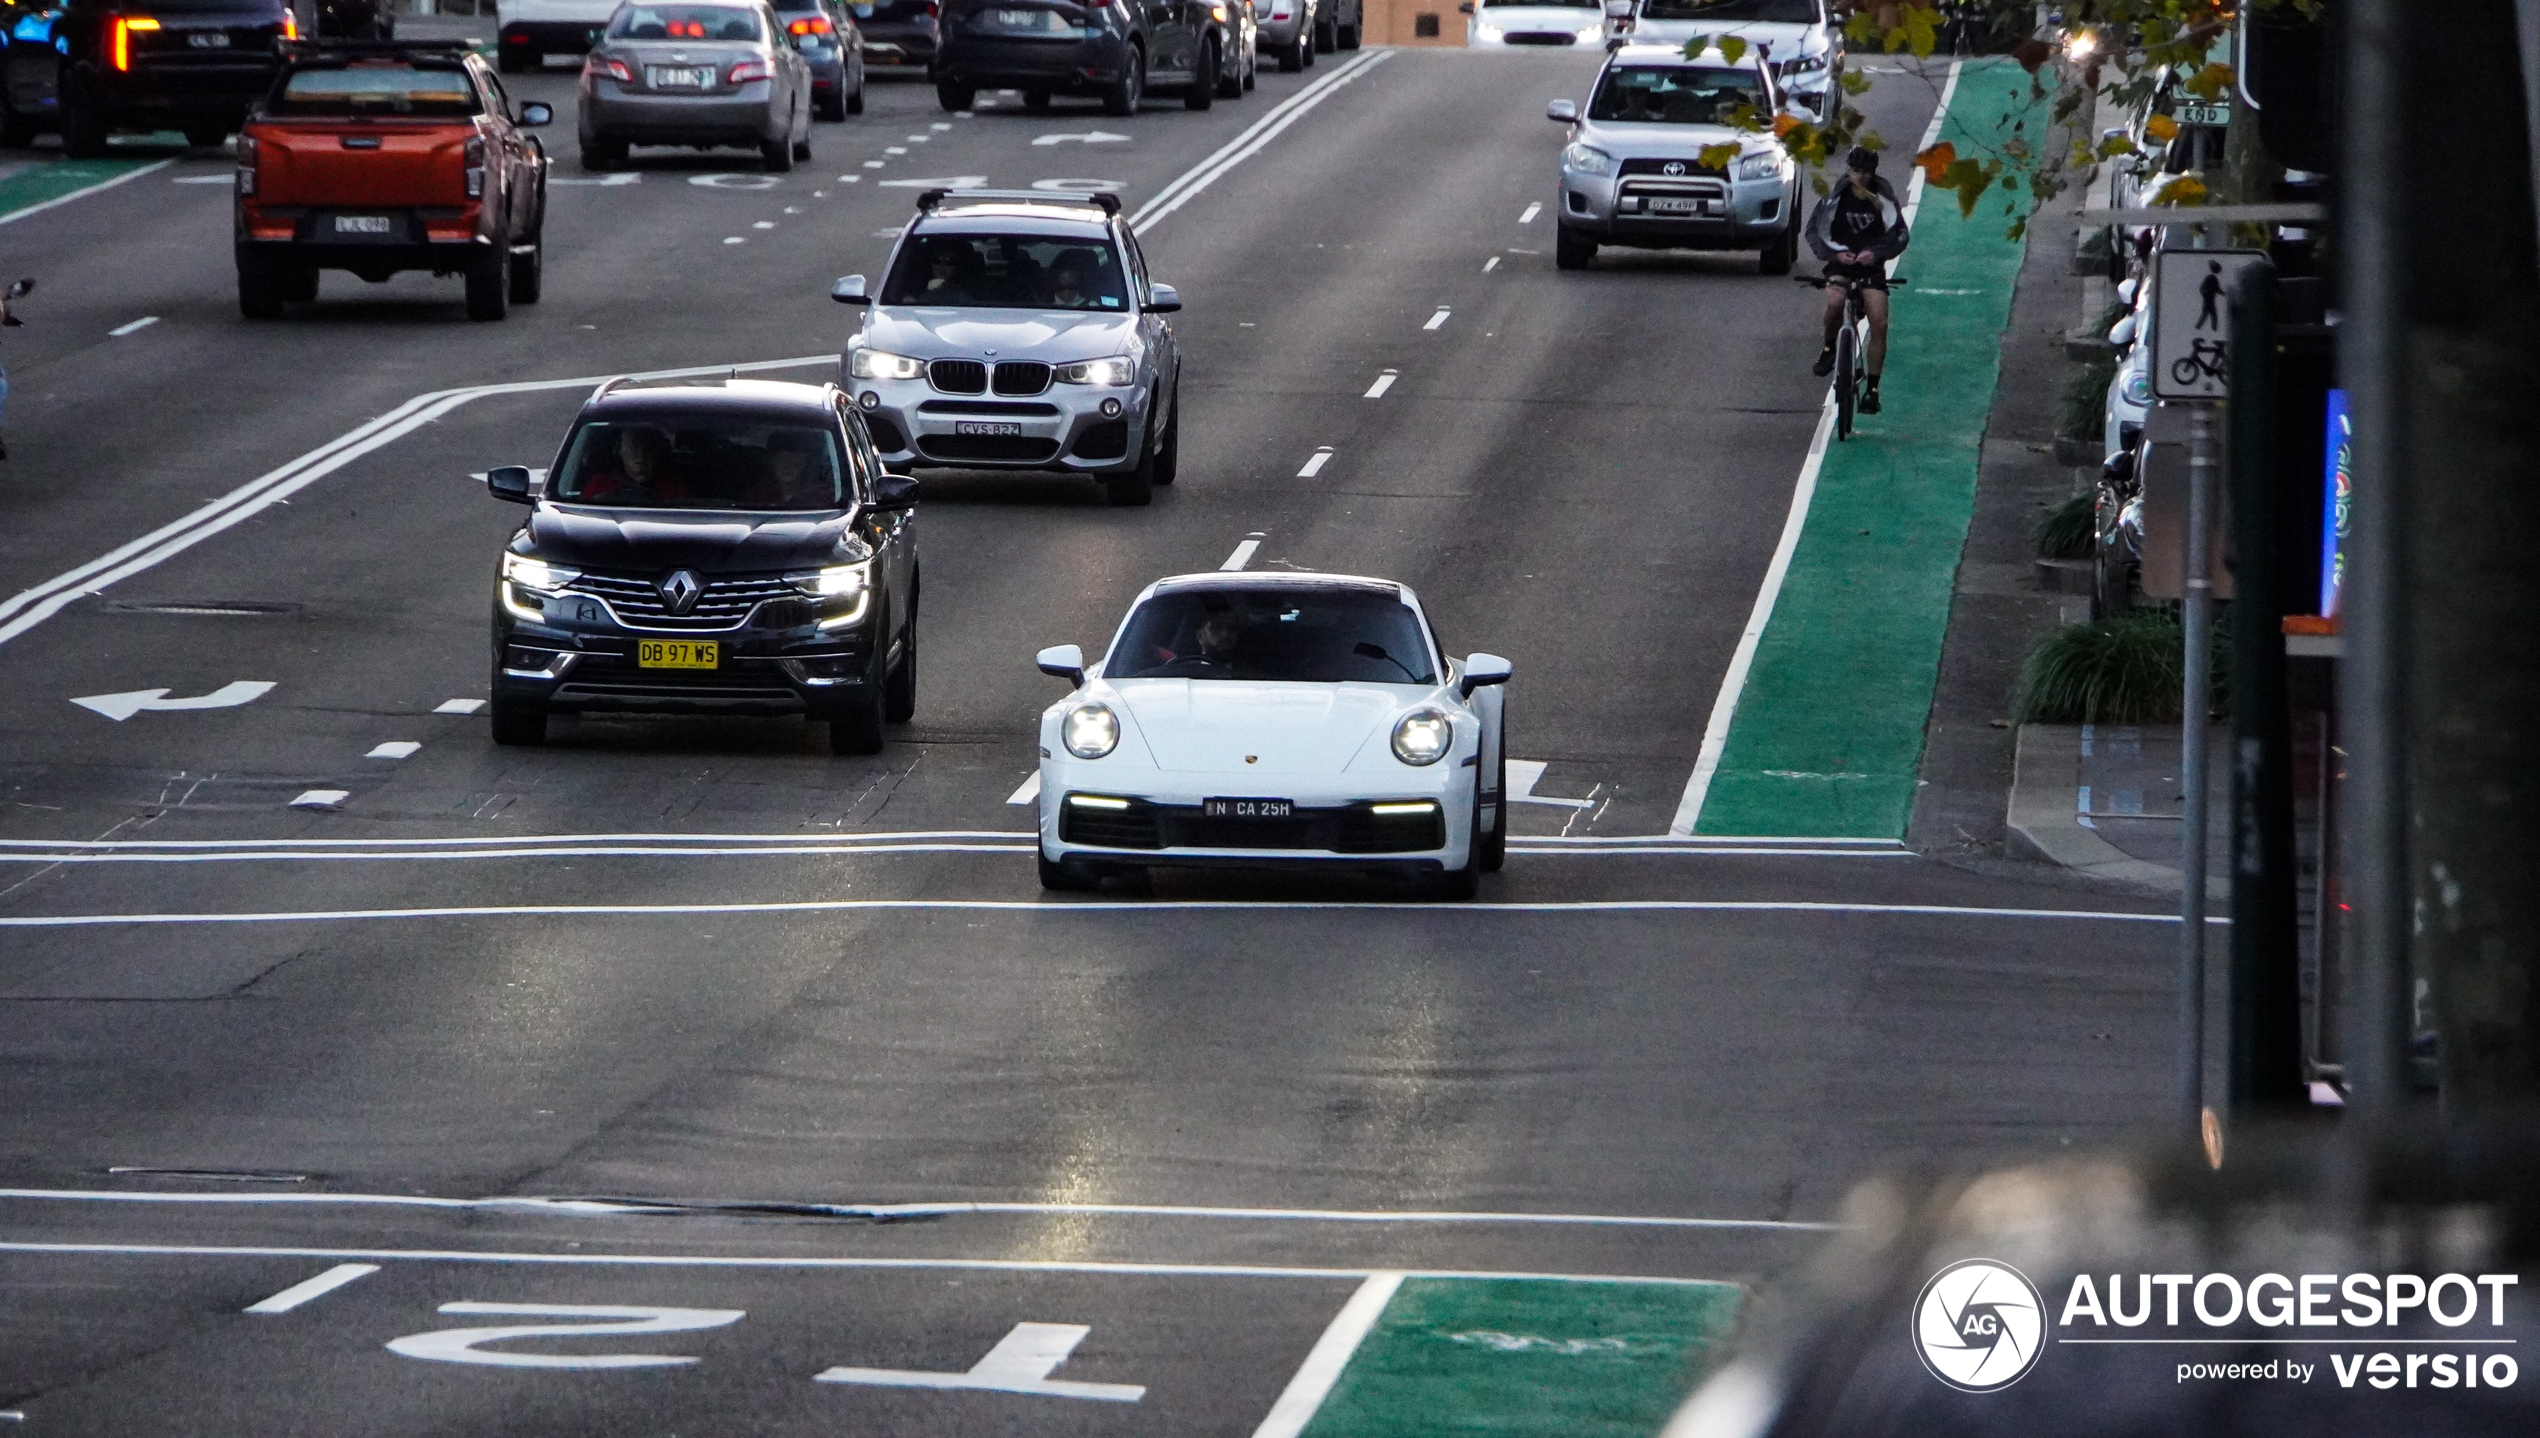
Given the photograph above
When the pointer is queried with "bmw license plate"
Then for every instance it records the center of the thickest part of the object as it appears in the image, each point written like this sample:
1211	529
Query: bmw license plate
677	653
1674	205
673	77
363	225
986	426
1247	808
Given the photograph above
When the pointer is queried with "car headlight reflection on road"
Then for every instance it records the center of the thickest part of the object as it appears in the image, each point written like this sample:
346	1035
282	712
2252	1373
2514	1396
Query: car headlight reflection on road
1762	165
1422	737
1090	731
1119	369
882	364
1587	160
537	574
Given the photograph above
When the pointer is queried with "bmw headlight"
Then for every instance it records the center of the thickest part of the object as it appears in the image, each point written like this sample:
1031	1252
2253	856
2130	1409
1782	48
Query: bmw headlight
1422	737
1090	731
2138	386
537	574
882	364
1119	369
1587	160
1483	30
1762	165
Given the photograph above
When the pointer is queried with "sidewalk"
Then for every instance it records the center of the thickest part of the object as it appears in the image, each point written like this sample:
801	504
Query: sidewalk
2105	800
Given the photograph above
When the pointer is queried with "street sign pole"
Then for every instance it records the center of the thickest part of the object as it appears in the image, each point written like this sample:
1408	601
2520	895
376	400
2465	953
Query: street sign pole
2197	618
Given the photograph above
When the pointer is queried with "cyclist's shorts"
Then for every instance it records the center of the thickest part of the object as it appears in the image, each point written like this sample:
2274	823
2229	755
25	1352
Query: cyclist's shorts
1874	275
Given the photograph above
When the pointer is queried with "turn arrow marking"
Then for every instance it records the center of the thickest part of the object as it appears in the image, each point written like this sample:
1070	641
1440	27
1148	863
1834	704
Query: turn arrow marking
1090	137
120	707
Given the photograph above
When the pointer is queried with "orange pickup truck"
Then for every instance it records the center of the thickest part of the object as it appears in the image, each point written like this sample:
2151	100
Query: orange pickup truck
376	157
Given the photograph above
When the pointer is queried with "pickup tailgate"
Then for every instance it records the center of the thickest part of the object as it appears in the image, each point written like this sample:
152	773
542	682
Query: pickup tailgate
380	163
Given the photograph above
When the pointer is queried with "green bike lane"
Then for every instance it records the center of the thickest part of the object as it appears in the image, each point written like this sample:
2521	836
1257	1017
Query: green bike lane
1825	737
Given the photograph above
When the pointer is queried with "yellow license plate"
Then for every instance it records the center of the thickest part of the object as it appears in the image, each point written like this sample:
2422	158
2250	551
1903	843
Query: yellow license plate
677	653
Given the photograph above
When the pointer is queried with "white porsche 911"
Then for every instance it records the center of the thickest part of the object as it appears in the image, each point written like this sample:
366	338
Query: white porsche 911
1260	720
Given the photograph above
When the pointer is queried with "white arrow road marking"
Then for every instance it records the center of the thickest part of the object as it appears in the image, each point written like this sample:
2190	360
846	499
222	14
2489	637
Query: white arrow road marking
1021	1362
1524	775
458	1345
935	182
308	1288
1089	137
120	707
1029	793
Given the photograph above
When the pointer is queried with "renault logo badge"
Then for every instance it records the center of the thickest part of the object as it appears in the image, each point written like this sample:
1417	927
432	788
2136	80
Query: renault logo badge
679	590
1674	167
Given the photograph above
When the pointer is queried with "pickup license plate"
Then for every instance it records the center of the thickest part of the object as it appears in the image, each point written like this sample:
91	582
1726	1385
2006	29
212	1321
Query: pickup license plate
986	426
1675	205
208	39
672	77
677	653
1247	808
362	224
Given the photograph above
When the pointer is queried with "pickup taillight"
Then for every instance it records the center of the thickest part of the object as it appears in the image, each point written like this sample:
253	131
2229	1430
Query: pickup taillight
476	167
745	70
247	164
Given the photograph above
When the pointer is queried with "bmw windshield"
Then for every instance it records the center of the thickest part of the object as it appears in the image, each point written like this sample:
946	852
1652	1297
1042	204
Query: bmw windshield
1011	272
1291	634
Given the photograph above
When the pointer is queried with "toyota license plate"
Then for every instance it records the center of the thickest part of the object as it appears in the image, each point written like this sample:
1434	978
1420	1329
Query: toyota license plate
362	224
666	77
1247	808
677	653
986	426
1670	205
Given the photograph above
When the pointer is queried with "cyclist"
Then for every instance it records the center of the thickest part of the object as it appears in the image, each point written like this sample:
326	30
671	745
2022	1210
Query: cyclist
1856	229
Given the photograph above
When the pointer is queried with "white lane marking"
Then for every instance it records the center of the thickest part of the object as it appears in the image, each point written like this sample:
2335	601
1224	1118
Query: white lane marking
1022	1362
120	707
940	125
1079	186
1304	1395
1490	264
1931	137
1089	137
458	706
763	225
622	177
918	139
308	1288
136	327
612	1207
963	115
32	606
1243	553
1028	792
1078	906
125	178
528	842
458	1345
1438	320
873	164
1532	210
934	182
321	798
851	179
1314	466
1182	188
1524	775
230	179
311	852
394	749
895	149
1383	382
734	240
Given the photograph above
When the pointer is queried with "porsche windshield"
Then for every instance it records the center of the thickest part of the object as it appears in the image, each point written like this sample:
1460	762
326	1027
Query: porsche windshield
1773	12
702	462
1297	635
1673	95
1009	272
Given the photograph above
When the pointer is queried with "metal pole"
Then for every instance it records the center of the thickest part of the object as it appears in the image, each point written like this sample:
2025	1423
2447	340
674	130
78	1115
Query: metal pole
2197	617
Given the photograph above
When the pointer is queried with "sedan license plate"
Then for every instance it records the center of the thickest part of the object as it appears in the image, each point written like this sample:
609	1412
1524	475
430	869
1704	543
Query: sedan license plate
986	426
677	653
1676	205
362	224
671	77
1247	808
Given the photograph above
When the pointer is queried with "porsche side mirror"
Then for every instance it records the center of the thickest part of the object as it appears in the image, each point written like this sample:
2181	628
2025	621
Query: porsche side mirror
849	290
895	491
535	113
1163	299
1063	661
508	481
1481	669
1562	111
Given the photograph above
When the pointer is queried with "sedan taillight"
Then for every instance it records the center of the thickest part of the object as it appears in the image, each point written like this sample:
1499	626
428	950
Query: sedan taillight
617	70
746	70
815	25
476	167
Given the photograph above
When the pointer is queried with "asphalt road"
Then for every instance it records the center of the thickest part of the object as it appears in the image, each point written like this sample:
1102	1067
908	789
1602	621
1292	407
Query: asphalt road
789	979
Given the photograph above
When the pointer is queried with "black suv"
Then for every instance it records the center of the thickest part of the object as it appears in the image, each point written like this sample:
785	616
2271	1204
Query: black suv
98	66
1116	52
731	548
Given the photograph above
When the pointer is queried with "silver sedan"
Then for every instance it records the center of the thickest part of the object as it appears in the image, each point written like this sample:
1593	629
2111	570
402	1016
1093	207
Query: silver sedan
695	74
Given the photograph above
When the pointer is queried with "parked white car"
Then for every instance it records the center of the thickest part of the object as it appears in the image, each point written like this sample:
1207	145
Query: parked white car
1798	39
1272	720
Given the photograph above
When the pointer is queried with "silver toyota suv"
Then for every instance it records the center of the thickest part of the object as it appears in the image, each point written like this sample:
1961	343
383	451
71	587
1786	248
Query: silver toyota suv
1017	329
1634	172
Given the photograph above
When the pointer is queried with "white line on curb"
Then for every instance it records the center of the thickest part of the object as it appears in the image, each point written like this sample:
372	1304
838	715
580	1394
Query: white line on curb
1304	1395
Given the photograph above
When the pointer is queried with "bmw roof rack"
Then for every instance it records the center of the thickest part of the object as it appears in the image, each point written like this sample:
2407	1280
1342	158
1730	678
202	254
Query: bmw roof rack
1109	203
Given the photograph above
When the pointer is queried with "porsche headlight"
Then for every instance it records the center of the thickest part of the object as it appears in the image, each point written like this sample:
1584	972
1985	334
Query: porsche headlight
1090	731
1587	160
1117	370
537	574
2138	387
1422	737
1762	165
882	364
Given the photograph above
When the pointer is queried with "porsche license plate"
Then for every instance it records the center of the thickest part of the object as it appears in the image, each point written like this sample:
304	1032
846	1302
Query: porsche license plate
678	653
362	225
1247	808
986	426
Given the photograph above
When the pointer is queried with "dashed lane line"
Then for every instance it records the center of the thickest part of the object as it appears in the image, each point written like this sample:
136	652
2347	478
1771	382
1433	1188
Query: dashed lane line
1437	321
1243	553
1383	382
312	1288
1531	211
134	328
1314	464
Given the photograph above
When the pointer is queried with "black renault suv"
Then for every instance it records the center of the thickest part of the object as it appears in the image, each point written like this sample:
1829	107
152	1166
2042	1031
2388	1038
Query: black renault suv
729	548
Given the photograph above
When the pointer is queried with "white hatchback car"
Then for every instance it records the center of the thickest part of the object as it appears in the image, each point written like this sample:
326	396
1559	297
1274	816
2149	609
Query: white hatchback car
1269	720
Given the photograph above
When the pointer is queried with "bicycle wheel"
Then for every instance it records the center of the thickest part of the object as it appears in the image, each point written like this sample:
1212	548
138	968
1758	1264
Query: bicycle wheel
1847	382
2186	371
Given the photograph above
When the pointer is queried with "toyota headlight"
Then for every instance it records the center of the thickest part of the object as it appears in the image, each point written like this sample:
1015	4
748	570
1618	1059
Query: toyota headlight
1762	165
1587	160
537	574
1090	731
882	364
1422	737
1808	64
1117	370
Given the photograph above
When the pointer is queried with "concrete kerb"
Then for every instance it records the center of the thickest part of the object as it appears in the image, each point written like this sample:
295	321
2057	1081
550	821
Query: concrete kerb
2044	820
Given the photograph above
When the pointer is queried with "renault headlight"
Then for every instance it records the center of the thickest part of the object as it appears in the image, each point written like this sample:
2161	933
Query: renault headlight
882	364
1587	160
537	574
1117	370
847	587
1422	737
1762	165
1090	731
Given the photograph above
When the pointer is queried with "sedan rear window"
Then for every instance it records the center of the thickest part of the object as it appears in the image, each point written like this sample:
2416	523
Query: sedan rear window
1014	272
1673	95
683	22
360	88
1304	636
708	462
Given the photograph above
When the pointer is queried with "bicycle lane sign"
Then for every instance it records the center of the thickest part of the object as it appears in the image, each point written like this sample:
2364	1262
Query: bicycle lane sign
2191	322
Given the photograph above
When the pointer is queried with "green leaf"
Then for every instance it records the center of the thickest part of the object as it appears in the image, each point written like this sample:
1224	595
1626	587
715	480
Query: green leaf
1732	48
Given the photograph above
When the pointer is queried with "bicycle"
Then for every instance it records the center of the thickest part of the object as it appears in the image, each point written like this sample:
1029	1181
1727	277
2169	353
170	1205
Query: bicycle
1848	343
2205	360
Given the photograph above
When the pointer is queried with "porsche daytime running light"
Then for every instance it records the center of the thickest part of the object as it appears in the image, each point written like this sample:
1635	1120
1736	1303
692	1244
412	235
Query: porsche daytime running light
1587	160
1090	731
882	364
1422	737
537	574
1762	165
1117	370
